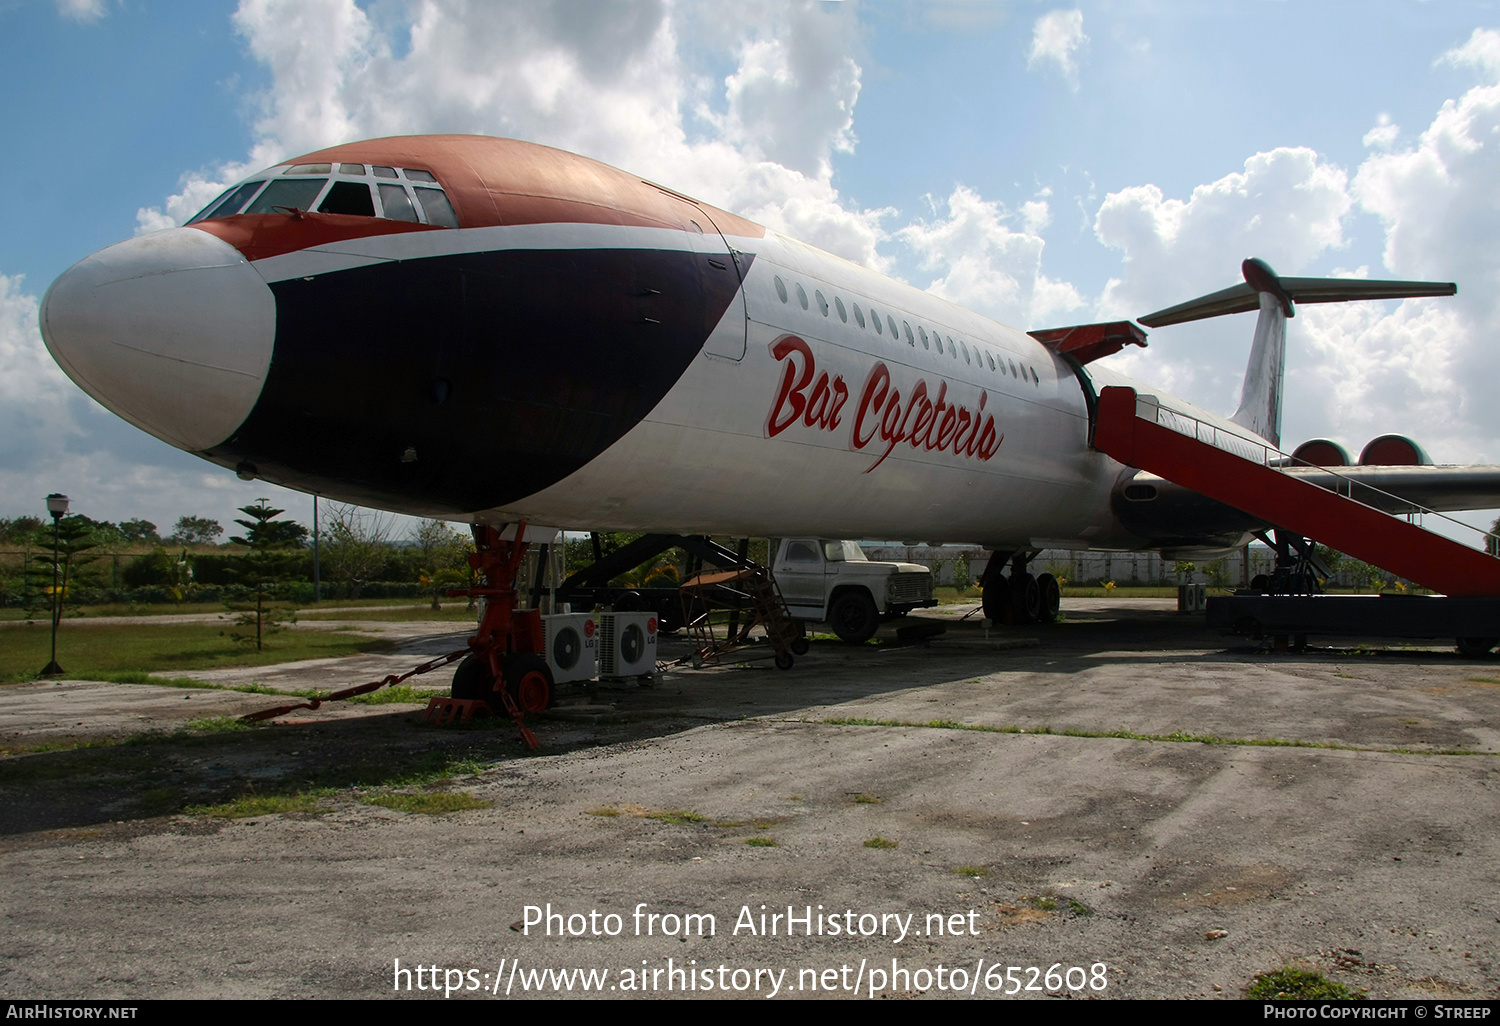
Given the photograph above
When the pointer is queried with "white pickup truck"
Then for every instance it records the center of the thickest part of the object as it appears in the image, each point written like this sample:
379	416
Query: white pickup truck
826	580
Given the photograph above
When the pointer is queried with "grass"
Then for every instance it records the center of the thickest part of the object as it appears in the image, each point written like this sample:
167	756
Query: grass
431	803
972	872
867	799
249	805
1178	737
88	651
1291	984
762	842
400	694
361	609
455	611
881	842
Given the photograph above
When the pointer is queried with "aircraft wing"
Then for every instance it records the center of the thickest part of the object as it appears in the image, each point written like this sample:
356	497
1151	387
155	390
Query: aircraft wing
1405	489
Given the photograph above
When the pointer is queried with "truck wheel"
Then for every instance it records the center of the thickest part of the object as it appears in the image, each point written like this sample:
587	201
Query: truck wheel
854	617
1475	648
1051	594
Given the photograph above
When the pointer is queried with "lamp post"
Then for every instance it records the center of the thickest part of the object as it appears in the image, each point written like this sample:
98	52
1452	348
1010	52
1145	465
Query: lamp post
57	505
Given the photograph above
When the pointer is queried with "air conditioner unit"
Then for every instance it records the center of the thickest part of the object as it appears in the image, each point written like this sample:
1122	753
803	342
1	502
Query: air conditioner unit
572	646
627	645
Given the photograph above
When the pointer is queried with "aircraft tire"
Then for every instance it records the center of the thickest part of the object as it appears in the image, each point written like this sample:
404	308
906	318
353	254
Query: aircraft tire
854	617
1051	595
799	646
1475	648
472	679
529	682
996	598
784	661
1026	597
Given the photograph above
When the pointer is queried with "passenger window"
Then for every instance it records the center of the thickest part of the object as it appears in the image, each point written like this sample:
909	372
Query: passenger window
859	316
965	349
383	172
309	169
437	208
822	303
781	288
922	334
417	176
396	204
875	316
891	323
348	198
352	169
1013	372
1034	379
296	194
990	357
802	295
909	340
843	314
938	341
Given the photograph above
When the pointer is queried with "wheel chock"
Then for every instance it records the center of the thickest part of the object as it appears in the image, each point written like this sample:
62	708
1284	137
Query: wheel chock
444	711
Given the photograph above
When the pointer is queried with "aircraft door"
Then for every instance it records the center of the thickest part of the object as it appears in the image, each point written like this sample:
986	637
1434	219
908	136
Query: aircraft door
721	266
799	572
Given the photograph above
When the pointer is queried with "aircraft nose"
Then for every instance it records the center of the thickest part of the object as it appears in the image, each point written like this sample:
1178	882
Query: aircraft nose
173	331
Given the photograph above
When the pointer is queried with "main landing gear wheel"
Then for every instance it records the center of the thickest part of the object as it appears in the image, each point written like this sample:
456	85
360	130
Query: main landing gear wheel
1026	597
996	597
529	682
784	661
1475	648
473	680
1051	597
799	646
854	617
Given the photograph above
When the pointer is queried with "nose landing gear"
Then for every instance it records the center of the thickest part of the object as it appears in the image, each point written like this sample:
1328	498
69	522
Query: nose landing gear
505	668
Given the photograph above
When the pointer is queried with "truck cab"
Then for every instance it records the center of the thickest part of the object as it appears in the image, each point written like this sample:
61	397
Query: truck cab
829	580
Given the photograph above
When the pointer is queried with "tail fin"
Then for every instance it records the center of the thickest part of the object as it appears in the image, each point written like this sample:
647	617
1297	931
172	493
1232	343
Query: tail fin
1260	396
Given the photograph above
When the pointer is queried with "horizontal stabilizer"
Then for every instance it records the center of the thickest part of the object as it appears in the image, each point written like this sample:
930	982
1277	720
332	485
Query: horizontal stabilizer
1260	278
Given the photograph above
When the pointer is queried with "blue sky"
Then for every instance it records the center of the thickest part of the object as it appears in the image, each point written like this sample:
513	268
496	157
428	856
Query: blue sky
1045	164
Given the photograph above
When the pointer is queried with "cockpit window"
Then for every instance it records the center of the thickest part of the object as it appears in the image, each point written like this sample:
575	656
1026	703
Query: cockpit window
296	194
348	198
229	202
383	172
396	203
351	169
309	169
418	176
437	208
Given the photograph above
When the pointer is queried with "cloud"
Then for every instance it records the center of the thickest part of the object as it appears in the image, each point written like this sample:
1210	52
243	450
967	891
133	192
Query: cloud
1438	203
82	11
619	85
1286	207
1383	135
986	264
1055	38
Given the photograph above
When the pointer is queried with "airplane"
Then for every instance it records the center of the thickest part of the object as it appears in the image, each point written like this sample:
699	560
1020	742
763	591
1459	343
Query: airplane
494	331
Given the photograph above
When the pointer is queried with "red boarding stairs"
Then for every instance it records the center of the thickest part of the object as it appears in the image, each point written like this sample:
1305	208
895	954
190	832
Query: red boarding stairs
1242	471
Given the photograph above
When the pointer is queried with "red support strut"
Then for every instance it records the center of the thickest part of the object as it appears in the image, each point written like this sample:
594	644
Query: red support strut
505	631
